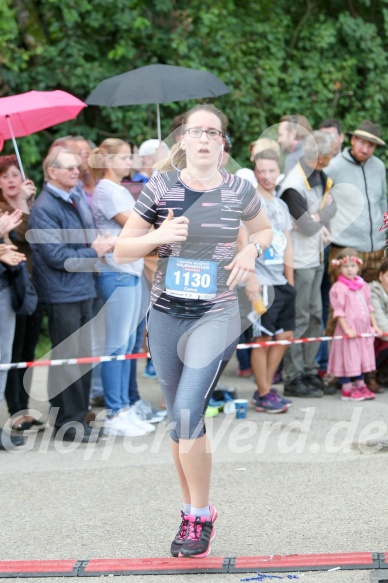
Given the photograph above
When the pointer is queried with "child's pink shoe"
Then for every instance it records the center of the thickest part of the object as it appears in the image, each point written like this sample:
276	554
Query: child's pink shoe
353	395
346	394
368	394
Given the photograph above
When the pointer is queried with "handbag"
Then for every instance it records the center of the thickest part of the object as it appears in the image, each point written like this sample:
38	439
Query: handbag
24	297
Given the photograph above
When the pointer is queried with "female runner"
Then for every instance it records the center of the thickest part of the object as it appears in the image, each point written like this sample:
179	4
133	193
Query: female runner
193	322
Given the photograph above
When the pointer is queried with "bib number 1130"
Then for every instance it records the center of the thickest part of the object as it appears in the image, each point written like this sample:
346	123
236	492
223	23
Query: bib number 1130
191	278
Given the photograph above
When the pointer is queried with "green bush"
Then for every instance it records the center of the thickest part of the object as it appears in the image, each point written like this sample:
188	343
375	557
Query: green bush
322	58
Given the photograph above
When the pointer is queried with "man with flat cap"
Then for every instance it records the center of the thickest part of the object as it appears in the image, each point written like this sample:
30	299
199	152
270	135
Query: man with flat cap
361	196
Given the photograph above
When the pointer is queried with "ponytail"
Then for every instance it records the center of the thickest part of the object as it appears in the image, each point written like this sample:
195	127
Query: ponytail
97	161
176	160
95	164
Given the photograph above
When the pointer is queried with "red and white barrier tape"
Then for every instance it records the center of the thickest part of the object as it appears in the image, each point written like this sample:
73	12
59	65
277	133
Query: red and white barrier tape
305	340
91	359
84	360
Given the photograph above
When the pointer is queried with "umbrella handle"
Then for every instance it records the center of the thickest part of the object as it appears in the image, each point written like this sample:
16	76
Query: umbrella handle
158	121
16	147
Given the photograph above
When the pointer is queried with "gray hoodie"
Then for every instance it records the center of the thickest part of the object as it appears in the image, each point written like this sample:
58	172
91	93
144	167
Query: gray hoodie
361	195
379	299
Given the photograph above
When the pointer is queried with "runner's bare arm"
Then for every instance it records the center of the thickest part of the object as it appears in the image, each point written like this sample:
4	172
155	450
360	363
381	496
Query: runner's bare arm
136	240
259	231
122	218
242	238
289	260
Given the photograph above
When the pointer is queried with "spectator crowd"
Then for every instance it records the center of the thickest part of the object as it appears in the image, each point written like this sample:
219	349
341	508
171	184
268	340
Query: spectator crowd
325	270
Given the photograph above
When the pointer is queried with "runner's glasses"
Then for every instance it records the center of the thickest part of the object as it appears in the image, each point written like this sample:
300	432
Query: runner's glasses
197	133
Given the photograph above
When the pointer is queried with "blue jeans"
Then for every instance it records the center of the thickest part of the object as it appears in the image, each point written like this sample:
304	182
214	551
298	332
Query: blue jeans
98	346
7	330
121	293
145	302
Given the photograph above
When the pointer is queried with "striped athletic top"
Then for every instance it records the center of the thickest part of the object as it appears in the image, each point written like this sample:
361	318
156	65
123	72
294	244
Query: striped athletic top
214	220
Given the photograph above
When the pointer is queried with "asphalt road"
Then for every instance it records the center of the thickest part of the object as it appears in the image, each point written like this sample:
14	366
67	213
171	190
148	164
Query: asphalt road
313	480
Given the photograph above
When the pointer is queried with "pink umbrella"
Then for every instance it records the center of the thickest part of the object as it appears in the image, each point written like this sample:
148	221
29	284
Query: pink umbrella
27	113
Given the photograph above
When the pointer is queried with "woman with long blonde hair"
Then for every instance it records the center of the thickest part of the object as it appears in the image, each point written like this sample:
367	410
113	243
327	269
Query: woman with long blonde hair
118	285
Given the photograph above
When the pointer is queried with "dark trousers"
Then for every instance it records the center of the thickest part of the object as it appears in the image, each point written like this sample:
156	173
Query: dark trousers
244	354
323	352
133	388
70	334
245	306
26	338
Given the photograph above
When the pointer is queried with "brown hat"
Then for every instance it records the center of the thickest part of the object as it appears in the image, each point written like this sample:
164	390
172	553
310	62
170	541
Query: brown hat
368	131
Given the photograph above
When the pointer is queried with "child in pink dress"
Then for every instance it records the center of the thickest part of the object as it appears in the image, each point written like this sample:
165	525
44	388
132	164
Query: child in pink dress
352	309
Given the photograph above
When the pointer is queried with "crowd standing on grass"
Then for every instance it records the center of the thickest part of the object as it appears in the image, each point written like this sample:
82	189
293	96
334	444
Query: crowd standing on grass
320	197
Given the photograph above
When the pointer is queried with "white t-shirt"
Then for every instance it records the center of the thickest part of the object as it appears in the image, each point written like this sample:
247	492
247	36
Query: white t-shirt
109	200
270	266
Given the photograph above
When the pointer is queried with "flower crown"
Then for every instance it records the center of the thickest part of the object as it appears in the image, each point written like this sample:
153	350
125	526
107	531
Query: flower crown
347	259
385	222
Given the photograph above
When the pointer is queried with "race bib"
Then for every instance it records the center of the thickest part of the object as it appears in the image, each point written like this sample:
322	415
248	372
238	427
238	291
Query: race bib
189	278
274	255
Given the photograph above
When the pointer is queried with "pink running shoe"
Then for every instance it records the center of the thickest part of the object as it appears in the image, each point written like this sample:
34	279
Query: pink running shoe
368	394
180	536
176	545
200	534
353	395
346	394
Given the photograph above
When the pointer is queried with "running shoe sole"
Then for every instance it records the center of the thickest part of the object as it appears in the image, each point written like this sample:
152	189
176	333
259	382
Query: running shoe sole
260	409
202	555
284	409
353	399
286	404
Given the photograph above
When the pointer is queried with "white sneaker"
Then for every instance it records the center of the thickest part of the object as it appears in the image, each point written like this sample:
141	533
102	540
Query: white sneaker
121	426
147	404
133	418
146	412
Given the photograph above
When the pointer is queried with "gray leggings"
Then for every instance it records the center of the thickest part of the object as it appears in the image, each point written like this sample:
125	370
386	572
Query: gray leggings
189	356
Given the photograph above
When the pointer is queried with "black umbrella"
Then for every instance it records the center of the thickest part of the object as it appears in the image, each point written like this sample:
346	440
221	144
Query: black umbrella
156	84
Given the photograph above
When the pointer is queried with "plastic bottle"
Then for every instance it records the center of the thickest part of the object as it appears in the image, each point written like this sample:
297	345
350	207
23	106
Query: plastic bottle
259	305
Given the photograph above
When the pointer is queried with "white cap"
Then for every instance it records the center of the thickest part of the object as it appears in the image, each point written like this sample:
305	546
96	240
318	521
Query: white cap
148	148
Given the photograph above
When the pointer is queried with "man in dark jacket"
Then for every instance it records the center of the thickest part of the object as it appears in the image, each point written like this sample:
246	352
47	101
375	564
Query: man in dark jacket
64	248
